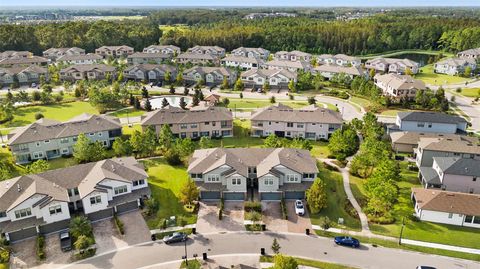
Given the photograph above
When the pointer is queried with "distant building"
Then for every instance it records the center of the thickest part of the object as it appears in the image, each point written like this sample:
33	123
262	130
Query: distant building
114	51
392	65
163	49
148	58
455	66
87	71
293	56
444	147
149	72
242	62
25	75
197	58
279	79
251	53
212	76
426	121
292	66
54	53
16	61
339	59
330	70
407	141
89	58
15	54
470	53
212	50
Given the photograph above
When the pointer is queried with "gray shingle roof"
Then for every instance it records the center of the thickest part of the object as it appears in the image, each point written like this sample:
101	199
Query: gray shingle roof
45	129
458	166
424	116
240	159
76	57
88	68
175	115
284	113
412	138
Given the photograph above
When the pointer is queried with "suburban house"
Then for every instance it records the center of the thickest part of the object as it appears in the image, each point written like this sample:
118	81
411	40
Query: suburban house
242	62
433	122
15	54
149	72
54	53
167	49
273	173
330	70
148	58
339	59
444	147
452	174
49	139
455	66
23	61
114	51
310	122
212	99
251	53
25	75
87	71
392	65
292	66
470	53
44	203
199	121
197	58
212	50
212	76
446	207
407	141
293	56
398	86
256	78
89	58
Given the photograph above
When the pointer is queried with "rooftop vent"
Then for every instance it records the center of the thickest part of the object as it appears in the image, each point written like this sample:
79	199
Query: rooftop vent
19	189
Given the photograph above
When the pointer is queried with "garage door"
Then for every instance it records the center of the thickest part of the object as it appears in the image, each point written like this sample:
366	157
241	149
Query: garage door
127	207
234	196
99	215
22	234
54	227
210	195
294	195
271	196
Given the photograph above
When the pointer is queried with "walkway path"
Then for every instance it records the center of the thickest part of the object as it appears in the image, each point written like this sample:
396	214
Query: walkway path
346	185
172	229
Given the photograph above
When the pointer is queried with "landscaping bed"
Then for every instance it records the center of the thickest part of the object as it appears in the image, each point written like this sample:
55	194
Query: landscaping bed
310	263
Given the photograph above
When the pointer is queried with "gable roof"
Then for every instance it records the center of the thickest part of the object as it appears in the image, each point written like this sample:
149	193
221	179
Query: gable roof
289	64
457	62
88	68
409	137
400	82
79	57
268	73
191	55
333	68
449	145
239	159
203	70
45	129
428	116
149	55
446	201
176	115
23	60
458	166
150	67
284	113
243	59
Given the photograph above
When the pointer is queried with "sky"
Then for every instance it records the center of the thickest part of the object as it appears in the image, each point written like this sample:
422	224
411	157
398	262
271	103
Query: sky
273	3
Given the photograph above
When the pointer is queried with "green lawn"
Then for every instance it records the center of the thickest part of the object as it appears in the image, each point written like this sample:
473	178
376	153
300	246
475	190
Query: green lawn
4	266
470	92
60	112
416	230
128	112
165	183
310	263
127	130
256	103
360	102
429	77
337	202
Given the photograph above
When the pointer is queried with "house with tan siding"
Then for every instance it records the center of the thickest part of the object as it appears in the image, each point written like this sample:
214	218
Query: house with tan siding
398	86
259	53
87	71
114	51
212	76
55	53
277	79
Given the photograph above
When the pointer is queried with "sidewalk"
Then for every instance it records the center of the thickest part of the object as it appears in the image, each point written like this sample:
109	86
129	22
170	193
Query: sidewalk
172	229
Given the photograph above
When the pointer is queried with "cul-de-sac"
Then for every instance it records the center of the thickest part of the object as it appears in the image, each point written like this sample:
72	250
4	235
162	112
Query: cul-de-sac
229	134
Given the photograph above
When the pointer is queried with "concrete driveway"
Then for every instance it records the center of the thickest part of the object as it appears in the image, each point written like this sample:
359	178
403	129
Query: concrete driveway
296	223
108	238
208	222
272	217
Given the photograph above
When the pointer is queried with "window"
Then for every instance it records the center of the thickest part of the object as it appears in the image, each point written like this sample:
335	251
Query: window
474	178
299	125
64	140
213	123
3	214
450	215
105	143
269	181
476	220
100	134
183	126
38	155
72	192
75	139
289	124
46	141
193	125
207	123
138	182
64	151
292	178
91	134
22	213
468	219
429	125
37	144
421	124
55	209
120	190
213	178
96	200
236	181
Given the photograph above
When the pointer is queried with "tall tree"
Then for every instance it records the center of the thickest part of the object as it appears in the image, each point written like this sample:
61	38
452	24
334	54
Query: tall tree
317	196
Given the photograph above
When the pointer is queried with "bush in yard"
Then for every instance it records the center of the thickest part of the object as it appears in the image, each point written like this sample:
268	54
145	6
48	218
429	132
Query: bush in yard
151	206
189	192
119	225
40	247
4	255
324	223
284	209
38	116
317	196
173	157
220	214
253	206
83	242
284	262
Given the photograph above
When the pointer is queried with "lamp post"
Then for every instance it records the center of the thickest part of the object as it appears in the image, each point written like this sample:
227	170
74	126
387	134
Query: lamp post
401	231
186	257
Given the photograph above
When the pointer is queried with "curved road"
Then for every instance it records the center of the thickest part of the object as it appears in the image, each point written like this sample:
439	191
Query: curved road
311	247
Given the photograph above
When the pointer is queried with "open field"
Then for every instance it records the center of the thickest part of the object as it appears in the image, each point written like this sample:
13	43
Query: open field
60	112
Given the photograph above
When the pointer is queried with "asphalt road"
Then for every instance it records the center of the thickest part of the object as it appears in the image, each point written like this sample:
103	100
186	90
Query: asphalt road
312	247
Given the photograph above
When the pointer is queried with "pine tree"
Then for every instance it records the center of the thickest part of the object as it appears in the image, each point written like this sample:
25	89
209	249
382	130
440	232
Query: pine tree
165	103
275	246
182	103
148	105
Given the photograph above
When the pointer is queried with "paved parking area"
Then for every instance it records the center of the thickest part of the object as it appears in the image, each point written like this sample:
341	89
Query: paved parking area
272	217
295	223
24	253
208	222
108	238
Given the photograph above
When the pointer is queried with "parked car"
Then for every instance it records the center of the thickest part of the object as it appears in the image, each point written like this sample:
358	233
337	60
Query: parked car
65	241
299	208
34	85
347	241
425	267
175	237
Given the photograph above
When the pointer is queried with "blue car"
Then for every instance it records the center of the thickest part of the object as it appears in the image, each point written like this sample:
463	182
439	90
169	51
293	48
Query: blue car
347	241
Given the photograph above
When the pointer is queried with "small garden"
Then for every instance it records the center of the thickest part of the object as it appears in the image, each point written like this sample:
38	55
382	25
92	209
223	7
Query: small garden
83	240
4	253
253	213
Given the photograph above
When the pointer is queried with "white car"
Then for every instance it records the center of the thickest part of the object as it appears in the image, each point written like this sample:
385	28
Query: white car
299	208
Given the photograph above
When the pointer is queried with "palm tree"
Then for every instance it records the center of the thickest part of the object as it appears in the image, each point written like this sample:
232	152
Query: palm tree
80	226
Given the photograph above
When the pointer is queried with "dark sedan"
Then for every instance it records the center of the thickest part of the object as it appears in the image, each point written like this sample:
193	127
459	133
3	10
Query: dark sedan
347	241
175	237
65	241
